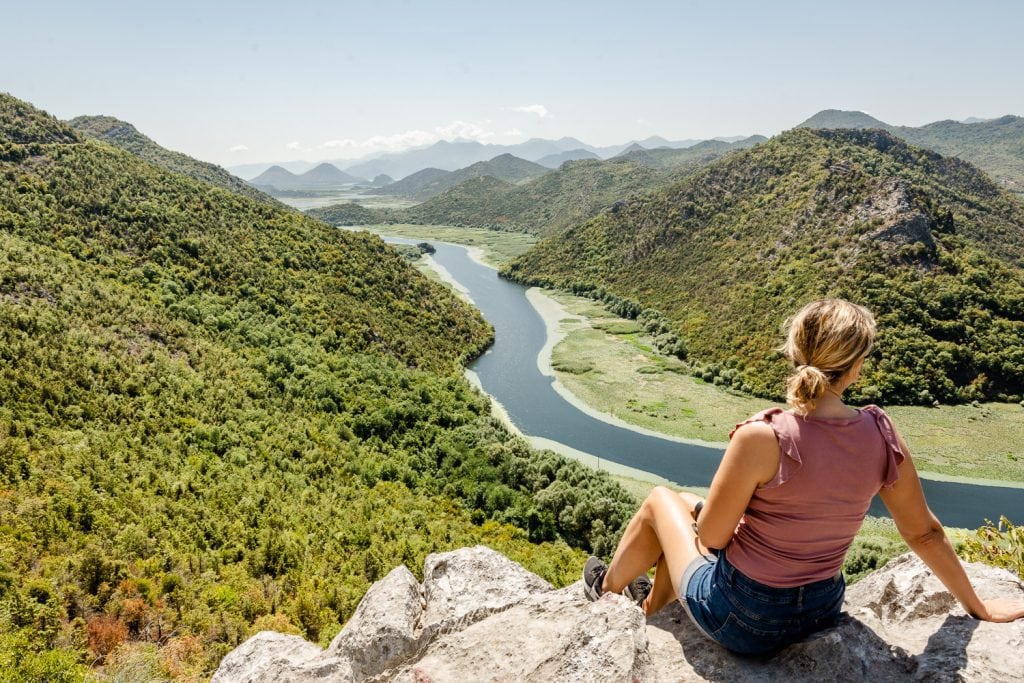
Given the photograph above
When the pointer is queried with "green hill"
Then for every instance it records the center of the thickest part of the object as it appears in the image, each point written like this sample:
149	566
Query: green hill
124	135
996	146
412	184
838	118
930	243
220	416
431	182
347	214
458	205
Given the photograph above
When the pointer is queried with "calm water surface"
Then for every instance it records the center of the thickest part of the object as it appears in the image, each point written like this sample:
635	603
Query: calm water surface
509	373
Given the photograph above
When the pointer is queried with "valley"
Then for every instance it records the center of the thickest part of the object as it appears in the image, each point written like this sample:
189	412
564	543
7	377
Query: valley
335	336
611	366
187	347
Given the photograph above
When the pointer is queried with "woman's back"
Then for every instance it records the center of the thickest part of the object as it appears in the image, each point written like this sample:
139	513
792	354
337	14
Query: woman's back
797	527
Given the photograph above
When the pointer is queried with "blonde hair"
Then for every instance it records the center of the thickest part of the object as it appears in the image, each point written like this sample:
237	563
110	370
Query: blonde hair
823	341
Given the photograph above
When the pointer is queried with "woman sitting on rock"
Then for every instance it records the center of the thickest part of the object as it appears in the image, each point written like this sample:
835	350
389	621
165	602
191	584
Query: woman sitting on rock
788	498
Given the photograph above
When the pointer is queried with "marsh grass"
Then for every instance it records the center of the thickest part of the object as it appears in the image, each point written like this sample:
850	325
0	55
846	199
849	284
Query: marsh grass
647	389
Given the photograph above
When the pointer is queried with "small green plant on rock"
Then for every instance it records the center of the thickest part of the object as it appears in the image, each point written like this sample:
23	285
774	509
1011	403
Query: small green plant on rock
999	545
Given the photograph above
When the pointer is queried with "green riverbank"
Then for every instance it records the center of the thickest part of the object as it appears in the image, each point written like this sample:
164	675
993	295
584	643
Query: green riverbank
610	367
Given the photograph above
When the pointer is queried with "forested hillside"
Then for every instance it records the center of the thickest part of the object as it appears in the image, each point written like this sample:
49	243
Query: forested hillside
349	213
929	243
124	135
996	146
431	182
219	416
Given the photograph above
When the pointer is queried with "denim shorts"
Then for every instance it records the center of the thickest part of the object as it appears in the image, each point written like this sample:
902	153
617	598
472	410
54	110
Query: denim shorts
750	618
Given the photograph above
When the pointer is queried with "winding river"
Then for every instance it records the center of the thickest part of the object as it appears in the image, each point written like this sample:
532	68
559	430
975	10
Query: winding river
508	371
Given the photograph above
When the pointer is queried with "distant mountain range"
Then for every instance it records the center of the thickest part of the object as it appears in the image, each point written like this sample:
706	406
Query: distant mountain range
322	177
545	204
125	136
457	154
995	145
556	160
451	156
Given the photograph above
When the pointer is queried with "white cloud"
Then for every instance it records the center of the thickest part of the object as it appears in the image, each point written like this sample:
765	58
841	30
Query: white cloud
238	148
538	109
293	145
512	132
410	138
462	129
339	144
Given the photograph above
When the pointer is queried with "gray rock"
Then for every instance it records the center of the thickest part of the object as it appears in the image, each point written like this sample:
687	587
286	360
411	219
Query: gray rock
466	585
268	657
487	618
557	636
384	629
911	609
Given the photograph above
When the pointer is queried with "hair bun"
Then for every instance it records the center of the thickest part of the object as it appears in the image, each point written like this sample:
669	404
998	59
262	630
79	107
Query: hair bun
805	387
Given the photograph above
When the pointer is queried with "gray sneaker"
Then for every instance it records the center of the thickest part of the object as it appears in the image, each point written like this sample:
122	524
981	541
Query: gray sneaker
638	590
593	576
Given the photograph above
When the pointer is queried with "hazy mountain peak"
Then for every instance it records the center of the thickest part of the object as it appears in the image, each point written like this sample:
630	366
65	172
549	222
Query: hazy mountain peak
839	118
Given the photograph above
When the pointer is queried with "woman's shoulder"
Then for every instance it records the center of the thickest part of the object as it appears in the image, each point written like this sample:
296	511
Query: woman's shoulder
764	418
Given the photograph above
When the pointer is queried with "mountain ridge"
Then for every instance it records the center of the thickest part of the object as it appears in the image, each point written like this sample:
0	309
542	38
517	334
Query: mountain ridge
556	200
323	176
125	136
428	183
994	145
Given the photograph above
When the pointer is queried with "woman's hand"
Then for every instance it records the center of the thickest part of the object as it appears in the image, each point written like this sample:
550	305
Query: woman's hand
1002	609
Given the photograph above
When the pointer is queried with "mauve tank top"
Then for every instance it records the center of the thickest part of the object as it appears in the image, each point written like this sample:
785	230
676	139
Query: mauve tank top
798	526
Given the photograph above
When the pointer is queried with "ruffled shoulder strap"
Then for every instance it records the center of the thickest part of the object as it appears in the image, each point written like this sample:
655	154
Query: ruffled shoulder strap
893	451
781	423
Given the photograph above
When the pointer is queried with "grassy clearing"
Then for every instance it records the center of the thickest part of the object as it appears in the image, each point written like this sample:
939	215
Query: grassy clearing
632	382
498	247
974	441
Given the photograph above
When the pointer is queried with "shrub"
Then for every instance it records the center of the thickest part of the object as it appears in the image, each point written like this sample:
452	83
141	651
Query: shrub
105	634
999	545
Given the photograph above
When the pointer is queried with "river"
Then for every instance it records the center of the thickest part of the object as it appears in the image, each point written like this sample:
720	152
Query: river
508	371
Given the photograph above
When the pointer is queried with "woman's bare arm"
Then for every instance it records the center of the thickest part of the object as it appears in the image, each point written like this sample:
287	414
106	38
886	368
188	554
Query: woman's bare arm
926	537
751	459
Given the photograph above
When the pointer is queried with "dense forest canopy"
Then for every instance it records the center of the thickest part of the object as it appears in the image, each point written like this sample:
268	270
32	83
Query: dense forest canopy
221	416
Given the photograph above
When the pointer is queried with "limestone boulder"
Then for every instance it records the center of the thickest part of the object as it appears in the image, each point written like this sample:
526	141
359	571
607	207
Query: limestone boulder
478	616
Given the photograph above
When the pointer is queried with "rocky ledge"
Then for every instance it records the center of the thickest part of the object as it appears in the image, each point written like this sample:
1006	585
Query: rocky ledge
478	616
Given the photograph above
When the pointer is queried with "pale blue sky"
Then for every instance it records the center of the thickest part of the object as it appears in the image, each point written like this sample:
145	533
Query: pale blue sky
321	80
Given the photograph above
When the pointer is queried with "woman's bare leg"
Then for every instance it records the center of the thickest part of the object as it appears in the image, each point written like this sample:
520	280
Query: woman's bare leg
660	532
